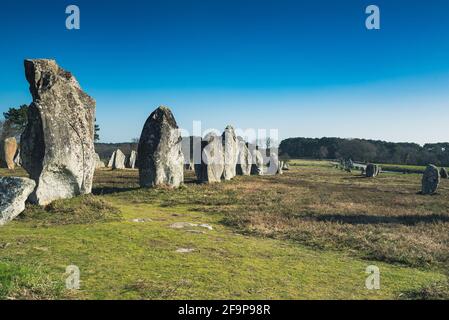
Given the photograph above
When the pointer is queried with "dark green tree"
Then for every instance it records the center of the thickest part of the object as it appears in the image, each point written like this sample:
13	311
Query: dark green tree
17	118
15	122
97	130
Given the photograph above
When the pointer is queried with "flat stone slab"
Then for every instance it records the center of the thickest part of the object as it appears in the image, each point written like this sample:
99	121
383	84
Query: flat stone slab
182	225
141	220
185	250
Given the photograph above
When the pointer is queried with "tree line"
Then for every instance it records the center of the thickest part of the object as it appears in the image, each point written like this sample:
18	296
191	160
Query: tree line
15	121
363	150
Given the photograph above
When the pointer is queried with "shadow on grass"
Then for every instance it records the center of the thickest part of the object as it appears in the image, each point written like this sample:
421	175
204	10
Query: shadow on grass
99	191
357	178
370	219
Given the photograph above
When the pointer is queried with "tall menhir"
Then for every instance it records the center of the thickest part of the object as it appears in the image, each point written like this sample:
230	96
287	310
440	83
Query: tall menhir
57	146
159	156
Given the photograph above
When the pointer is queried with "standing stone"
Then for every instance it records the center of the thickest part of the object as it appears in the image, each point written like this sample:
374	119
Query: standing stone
231	153
443	173
111	160
10	149
372	170
159	156
132	160
244	161
17	159
211	168
119	160
430	180
57	146
274	166
257	168
13	194
349	164
98	163
285	166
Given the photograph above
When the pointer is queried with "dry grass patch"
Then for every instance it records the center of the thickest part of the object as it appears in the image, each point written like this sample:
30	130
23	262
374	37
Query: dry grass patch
80	210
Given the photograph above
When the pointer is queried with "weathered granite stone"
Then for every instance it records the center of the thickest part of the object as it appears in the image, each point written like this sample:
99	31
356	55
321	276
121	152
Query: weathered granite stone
17	159
132	160
159	156
430	180
372	170
119	160
244	161
10	149
98	163
57	146
281	165
13	194
349	164
111	160
257	167
274	166
231	152
443	173
211	168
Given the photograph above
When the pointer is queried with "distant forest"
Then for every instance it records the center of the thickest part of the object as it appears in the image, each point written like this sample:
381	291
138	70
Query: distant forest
332	148
366	151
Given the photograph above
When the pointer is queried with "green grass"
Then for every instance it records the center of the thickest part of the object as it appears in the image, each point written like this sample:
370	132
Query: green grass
402	168
80	210
434	291
251	253
19	282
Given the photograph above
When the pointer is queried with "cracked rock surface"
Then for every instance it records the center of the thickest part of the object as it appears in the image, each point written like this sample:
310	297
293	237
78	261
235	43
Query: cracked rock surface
57	146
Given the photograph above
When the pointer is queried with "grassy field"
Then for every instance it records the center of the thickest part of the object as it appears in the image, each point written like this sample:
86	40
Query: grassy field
402	168
308	234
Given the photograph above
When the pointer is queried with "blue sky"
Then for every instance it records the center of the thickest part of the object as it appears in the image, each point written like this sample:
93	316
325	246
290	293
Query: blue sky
307	68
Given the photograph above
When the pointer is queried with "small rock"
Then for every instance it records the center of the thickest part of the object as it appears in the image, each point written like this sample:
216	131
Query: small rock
141	220
185	250
5	245
13	194
181	225
206	226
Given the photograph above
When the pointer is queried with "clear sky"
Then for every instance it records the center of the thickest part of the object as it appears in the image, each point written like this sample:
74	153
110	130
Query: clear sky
307	68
